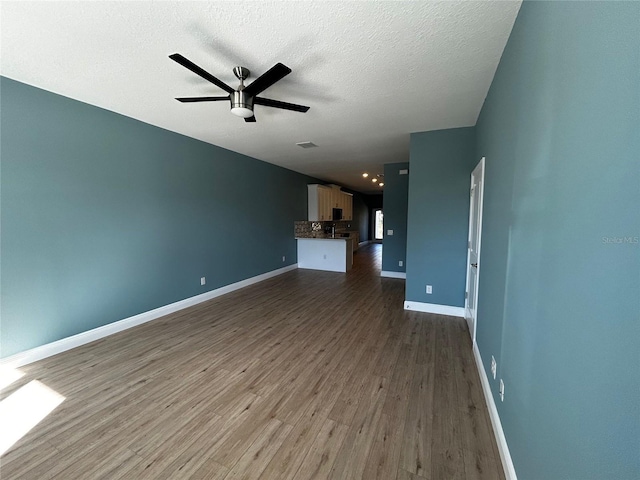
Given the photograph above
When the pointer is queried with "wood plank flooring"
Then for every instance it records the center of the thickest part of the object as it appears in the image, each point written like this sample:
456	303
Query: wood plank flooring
309	375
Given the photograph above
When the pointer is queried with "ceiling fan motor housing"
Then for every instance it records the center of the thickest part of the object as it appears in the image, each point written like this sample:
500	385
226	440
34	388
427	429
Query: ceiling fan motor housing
242	102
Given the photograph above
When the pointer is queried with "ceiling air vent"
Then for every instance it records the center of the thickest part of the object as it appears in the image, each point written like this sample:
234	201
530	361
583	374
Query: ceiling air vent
306	144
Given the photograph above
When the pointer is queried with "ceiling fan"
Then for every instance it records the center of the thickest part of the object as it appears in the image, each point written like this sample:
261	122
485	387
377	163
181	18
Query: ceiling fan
244	97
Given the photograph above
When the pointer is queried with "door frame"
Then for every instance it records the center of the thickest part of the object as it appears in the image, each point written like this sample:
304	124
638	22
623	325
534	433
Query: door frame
467	313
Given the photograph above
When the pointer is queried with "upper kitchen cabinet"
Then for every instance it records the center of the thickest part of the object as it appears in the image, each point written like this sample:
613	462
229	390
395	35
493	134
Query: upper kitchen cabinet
346	200
323	199
319	203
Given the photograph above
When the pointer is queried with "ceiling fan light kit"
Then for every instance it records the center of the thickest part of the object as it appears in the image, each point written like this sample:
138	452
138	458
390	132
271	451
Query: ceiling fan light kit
241	104
243	98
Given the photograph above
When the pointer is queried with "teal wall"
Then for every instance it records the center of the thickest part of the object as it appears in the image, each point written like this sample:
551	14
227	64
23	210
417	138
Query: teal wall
395	203
441	165
361	216
104	217
559	303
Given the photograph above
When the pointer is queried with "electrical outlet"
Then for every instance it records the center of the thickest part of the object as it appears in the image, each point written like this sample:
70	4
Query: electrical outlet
389	232
400	263
203	280
501	390
429	289
283	257
494	367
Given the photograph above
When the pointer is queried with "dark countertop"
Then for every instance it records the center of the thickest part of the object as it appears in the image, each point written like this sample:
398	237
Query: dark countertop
325	237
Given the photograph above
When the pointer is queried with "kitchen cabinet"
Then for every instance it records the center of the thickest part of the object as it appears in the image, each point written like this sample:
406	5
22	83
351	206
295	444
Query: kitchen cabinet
323	199
347	208
320	203
329	254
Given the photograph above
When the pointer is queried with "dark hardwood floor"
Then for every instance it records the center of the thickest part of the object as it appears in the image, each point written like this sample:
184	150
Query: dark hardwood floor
307	375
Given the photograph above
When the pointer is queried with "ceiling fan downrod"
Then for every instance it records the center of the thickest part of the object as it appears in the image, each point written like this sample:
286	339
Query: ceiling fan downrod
241	104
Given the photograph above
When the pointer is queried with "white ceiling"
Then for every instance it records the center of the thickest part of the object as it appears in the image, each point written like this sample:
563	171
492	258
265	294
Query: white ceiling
372	72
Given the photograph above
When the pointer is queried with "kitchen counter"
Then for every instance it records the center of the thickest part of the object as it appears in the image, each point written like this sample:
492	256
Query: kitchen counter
355	236
324	237
333	254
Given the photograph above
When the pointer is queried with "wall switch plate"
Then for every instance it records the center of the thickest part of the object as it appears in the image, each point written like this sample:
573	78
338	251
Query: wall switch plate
389	232
203	280
400	263
324	257
283	258
429	289
501	390
494	367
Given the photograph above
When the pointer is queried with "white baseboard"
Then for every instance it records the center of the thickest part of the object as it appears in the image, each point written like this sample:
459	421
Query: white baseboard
503	448
386	273
434	308
59	346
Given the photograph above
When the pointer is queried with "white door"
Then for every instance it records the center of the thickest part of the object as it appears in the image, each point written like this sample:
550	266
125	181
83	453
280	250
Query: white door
473	256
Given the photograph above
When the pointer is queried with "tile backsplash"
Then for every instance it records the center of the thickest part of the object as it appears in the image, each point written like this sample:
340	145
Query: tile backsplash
306	229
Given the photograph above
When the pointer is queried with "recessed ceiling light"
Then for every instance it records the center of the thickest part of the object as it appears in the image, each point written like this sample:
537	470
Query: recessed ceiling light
365	174
381	184
306	144
374	180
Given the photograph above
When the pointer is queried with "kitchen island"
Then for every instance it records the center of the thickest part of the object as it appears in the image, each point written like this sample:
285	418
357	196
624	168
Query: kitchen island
333	254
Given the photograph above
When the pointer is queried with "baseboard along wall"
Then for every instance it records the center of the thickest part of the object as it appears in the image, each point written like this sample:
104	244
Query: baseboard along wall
64	344
388	274
434	308
503	448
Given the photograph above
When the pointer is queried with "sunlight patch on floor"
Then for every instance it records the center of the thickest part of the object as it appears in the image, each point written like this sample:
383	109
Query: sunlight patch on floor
23	410
9	375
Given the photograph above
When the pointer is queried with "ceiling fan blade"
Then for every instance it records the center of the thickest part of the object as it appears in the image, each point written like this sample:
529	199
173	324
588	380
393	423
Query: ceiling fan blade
264	81
250	119
201	99
176	57
267	102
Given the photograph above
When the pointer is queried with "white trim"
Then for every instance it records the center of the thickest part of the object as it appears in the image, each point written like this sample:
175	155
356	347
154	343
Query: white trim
366	242
389	274
472	320
434	308
468	318
59	346
503	448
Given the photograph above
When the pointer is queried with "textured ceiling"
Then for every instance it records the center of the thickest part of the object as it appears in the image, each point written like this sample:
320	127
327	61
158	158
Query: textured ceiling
372	72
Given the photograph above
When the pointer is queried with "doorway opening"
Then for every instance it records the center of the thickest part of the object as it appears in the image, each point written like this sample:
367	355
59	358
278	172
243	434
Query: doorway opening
473	250
378	224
